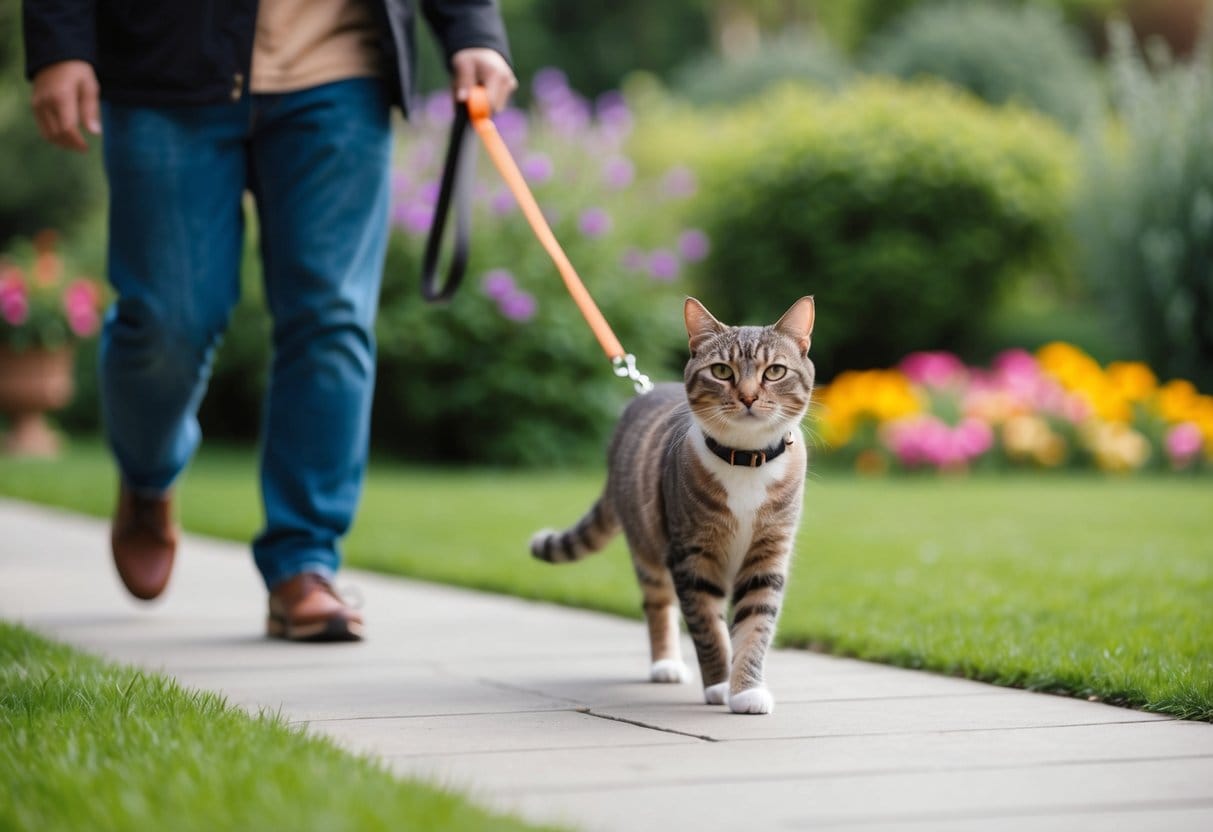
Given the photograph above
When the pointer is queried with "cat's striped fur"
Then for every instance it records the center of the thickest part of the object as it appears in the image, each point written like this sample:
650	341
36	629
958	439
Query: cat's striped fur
705	534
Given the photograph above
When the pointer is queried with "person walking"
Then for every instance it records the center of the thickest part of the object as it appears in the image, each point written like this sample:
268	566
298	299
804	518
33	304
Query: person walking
197	103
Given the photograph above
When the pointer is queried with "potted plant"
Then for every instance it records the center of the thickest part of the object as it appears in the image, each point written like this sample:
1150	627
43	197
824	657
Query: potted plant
44	312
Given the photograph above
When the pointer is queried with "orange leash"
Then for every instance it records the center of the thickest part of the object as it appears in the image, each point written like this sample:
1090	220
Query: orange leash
479	113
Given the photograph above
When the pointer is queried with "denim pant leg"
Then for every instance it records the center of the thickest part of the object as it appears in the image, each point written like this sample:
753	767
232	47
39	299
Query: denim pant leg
320	165
176	176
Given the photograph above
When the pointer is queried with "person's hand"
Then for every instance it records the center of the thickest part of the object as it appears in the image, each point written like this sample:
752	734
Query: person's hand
486	67
66	95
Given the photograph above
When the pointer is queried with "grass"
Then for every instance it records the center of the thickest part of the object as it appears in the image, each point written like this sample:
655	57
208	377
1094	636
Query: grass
1089	586
86	744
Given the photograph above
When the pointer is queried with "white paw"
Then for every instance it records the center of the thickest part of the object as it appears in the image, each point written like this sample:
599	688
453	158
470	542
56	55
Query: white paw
670	671
716	694
752	701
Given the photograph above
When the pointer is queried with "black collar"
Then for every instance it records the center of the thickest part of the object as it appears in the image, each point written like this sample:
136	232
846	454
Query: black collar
747	459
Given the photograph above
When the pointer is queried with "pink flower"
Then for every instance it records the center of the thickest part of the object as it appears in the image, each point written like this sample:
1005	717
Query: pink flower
1183	443
933	369
927	440
14	309
414	217
1016	364
14	297
973	437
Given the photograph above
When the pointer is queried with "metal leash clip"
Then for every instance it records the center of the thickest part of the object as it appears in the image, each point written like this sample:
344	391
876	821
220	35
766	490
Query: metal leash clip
625	367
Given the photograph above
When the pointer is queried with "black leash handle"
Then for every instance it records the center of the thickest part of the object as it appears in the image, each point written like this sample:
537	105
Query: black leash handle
458	173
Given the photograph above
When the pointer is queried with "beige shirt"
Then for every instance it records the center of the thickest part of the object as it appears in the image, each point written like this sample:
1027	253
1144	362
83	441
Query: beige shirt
305	43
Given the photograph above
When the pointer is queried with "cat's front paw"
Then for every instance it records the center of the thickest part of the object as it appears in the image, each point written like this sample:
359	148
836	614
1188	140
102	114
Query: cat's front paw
716	694
669	671
752	701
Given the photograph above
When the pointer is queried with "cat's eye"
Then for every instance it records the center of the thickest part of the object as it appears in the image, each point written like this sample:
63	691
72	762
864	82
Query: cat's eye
722	371
775	372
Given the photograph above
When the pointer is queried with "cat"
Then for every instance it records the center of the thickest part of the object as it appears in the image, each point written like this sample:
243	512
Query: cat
706	481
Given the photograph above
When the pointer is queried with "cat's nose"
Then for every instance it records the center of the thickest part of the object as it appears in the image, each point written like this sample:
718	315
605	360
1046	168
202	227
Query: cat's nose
747	399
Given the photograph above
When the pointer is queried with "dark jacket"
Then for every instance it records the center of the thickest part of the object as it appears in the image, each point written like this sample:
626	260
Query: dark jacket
157	53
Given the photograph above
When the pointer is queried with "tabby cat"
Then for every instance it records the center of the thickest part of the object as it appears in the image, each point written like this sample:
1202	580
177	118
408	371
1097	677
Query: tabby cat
706	481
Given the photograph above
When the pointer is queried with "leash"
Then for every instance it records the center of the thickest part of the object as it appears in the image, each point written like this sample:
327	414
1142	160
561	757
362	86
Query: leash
456	183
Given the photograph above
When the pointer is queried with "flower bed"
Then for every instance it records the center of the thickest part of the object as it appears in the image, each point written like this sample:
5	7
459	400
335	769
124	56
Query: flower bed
1052	409
40	306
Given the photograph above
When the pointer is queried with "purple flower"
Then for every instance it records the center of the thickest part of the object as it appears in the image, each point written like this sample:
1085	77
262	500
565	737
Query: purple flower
511	123
518	306
693	245
428	192
568	116
614	114
618	172
498	284
537	168
549	83
594	222
413	217
401	183
502	202
439	107
679	182
663	265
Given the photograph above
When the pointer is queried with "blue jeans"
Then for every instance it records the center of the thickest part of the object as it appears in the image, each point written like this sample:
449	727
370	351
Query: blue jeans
317	163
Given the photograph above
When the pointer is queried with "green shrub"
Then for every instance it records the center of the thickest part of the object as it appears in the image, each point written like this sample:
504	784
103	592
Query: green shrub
713	79
998	52
903	208
43	186
1144	216
853	22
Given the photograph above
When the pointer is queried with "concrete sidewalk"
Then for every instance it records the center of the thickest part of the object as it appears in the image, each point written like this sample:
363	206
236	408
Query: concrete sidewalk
544	710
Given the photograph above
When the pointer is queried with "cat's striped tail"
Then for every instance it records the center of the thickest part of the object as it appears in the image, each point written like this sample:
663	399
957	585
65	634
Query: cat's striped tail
591	534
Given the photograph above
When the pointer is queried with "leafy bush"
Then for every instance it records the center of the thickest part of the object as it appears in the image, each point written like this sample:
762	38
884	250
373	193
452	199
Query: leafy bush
713	79
1144	216
44	186
998	52
903	208
508	372
853	22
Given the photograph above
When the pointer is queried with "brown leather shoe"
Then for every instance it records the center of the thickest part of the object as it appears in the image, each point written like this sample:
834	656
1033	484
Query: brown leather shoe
144	541
307	608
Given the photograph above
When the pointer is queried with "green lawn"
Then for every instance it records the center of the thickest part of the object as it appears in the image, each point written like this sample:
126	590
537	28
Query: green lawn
90	745
1083	585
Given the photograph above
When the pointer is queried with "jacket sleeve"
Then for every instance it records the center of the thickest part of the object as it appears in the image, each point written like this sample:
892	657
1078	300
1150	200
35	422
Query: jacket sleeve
58	30
460	24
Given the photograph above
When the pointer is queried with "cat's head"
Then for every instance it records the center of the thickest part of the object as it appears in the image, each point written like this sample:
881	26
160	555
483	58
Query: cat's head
749	385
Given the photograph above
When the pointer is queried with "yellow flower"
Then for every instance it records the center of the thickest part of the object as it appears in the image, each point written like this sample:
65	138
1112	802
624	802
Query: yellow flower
1068	364
1132	379
1029	439
1116	447
1177	401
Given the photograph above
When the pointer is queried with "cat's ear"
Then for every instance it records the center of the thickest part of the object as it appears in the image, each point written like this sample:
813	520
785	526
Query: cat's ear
701	326
797	322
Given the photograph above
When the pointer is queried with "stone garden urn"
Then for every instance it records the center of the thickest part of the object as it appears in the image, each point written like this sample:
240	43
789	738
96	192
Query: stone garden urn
33	383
